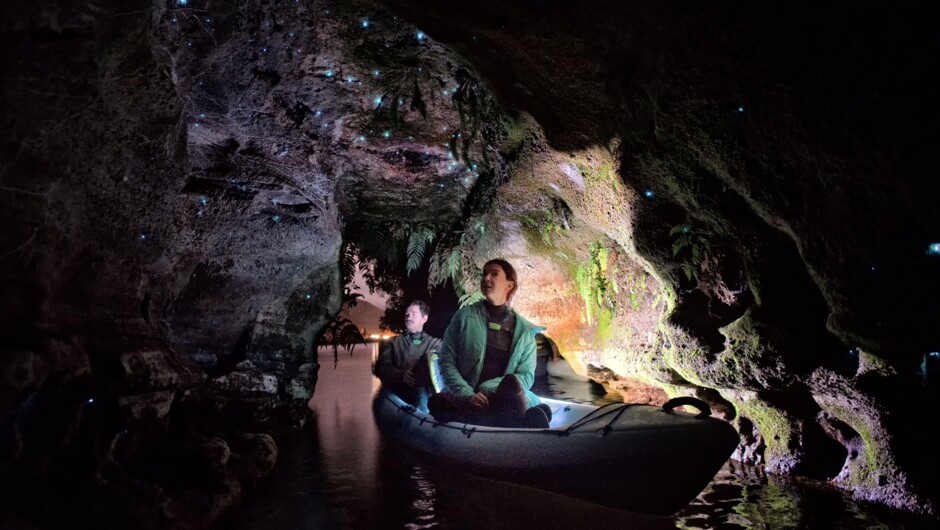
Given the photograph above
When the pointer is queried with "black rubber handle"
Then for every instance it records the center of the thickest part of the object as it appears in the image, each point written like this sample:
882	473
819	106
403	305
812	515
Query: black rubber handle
704	410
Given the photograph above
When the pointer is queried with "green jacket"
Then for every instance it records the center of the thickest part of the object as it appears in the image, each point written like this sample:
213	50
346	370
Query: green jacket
463	348
402	354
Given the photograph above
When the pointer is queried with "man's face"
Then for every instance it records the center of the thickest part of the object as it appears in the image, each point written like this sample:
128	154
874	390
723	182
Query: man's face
414	319
494	285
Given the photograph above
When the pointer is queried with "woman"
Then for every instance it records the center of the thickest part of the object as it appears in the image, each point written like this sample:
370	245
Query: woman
487	359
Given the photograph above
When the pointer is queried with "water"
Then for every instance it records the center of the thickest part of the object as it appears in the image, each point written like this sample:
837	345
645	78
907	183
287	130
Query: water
342	474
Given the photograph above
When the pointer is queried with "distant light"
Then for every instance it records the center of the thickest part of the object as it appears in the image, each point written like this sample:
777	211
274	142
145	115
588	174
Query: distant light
203	201
141	236
375	73
92	400
934	248
329	73
445	92
318	113
276	218
420	35
853	352
307	296
365	23
648	194
387	134
741	108
182	2
378	100
196	125
349	80
202	115
264	50
873	268
375	336
362	138
934	354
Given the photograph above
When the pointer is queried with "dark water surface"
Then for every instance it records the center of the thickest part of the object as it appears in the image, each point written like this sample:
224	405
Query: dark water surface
341	474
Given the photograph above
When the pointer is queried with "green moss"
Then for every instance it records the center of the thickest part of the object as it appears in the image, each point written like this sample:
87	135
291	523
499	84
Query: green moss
772	423
863	471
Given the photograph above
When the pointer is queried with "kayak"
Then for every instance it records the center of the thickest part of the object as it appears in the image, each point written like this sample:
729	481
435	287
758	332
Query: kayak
641	458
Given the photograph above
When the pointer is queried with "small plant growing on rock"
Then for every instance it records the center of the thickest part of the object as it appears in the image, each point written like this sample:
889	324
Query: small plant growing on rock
693	246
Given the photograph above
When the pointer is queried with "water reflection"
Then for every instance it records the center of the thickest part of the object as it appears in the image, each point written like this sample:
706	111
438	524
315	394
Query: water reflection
341	474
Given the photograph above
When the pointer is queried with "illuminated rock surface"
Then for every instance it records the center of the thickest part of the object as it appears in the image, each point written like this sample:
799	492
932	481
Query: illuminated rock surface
729	201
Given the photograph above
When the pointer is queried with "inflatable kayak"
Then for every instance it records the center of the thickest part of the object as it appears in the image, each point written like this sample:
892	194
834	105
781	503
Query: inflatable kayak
641	458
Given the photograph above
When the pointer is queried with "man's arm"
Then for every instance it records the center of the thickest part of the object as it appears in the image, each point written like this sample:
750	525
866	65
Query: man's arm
385	368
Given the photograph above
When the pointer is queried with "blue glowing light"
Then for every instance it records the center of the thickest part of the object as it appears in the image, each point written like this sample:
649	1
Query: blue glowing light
203	201
362	138
934	354
182	2
387	134
318	113
141	236
195	126
307	296
934	248
648	194
741	108
329	73
873	268
853	352
326	124
420	35
365	23
349	80
208	21
375	73
378	100
276	218
264	50
91	400
445	92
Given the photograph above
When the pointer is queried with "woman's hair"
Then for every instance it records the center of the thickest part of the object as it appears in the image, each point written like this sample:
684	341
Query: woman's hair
510	275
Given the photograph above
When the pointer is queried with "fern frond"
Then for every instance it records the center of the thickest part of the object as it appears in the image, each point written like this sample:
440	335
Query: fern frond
470	298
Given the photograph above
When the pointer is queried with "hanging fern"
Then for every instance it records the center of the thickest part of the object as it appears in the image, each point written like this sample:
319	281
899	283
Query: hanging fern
695	243
470	298
418	241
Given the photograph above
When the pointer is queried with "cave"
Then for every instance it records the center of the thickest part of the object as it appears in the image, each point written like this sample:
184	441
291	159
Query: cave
725	200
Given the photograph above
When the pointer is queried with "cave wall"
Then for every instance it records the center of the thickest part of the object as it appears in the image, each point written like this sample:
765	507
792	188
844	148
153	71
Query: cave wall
777	160
178	176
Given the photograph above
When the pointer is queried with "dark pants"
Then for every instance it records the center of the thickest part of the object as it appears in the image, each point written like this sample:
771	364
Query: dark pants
416	395
507	406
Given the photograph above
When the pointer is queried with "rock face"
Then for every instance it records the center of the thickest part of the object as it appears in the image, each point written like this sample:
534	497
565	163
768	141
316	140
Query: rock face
727	201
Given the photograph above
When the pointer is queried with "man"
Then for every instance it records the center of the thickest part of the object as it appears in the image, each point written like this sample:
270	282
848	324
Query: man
487	359
402	365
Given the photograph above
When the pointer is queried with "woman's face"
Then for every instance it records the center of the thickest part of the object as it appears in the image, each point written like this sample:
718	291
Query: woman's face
494	285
